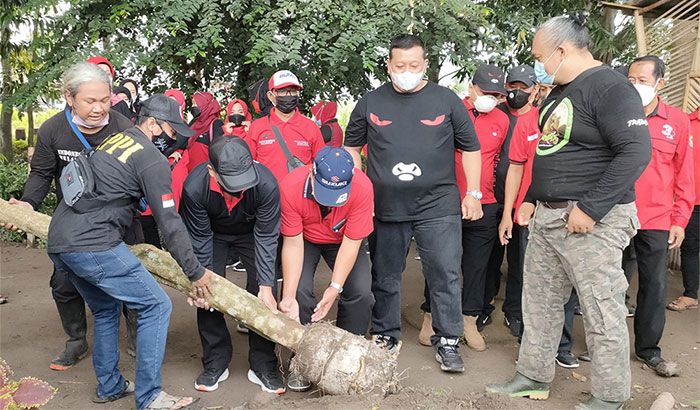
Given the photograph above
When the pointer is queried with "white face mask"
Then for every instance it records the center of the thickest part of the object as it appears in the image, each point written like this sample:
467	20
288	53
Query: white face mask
646	92
485	103
407	81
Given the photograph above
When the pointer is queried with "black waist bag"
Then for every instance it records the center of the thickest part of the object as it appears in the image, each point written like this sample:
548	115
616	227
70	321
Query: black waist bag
77	179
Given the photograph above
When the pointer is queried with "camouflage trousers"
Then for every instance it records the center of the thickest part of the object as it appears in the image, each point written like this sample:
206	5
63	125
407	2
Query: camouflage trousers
556	260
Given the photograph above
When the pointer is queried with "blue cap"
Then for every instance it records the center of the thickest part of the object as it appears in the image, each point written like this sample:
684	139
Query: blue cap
333	170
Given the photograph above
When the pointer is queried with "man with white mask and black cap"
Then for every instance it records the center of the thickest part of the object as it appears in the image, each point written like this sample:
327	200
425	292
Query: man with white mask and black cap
412	128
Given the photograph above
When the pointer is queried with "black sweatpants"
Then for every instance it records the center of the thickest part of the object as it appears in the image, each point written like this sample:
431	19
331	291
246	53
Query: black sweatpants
213	332
651	248
356	301
690	255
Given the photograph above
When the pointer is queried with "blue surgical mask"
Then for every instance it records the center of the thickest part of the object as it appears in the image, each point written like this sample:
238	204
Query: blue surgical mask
542	76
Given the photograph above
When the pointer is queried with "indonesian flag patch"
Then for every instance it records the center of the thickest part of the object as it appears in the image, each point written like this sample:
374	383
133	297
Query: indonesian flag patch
168	200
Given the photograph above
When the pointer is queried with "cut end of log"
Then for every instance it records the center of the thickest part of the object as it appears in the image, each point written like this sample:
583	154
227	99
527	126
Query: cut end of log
339	362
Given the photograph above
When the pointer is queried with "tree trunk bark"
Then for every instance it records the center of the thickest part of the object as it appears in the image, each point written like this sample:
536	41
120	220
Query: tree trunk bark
6	111
30	124
336	361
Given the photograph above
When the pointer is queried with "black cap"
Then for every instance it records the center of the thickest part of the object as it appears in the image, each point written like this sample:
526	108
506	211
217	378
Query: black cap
490	79
233	164
522	74
165	109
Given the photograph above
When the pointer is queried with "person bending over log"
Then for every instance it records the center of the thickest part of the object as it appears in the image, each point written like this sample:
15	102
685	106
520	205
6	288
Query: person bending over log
327	211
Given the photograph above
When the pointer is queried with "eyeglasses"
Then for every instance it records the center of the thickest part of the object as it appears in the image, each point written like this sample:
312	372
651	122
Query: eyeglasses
285	92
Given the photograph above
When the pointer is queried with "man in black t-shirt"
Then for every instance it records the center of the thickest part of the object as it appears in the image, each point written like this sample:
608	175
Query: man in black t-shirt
231	204
411	128
594	145
87	90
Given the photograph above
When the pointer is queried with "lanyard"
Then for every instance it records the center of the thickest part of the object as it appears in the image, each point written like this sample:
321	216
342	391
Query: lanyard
77	132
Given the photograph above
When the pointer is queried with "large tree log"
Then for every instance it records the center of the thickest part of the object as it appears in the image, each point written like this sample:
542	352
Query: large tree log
337	361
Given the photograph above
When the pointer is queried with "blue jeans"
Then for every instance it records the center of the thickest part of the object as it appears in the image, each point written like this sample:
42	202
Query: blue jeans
106	280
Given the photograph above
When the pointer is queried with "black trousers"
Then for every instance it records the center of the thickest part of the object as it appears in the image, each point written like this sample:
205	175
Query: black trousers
356	301
439	246
213	332
478	239
690	255
651	248
150	230
567	334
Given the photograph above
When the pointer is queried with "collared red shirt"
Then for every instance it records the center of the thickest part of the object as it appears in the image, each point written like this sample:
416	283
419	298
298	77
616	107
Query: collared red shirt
665	190
522	150
695	133
491	130
302	136
326	225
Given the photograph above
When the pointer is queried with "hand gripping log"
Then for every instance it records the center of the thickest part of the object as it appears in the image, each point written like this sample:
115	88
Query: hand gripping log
336	361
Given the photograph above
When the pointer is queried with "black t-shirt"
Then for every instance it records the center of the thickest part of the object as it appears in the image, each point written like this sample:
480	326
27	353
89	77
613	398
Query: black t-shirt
502	162
206	215
411	141
56	146
126	166
594	145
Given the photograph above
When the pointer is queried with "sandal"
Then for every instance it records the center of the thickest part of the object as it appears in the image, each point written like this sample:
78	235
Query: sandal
128	389
682	303
165	401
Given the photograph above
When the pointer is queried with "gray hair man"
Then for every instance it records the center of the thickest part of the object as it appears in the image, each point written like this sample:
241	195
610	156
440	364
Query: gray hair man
87	91
595	144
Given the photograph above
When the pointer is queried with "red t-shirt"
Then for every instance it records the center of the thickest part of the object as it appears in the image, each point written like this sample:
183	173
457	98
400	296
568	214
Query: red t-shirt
695	133
491	129
523	145
301	213
665	191
302	136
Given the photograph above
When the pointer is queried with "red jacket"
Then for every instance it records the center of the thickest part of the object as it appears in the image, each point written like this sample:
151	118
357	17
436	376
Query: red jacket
665	191
695	133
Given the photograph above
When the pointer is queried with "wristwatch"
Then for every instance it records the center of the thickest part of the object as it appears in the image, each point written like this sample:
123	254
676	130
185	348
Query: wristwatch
476	194
336	286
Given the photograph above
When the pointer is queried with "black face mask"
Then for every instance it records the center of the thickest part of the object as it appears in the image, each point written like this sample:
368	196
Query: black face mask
196	112
517	99
287	103
236	119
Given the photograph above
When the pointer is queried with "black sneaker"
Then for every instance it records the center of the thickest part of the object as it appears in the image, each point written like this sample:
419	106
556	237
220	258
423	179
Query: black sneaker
567	360
661	366
447	355
482	321
268	380
515	325
585	356
210	378
388	343
297	383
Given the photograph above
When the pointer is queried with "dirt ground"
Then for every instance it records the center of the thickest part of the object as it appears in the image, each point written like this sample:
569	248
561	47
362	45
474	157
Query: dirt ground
31	334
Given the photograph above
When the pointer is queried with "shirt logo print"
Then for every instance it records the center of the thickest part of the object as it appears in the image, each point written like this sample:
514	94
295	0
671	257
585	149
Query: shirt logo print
668	132
432	123
405	172
380	123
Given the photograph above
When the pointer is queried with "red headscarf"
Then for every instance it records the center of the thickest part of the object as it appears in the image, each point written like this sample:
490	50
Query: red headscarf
210	111
179	96
237	131
101	60
324	111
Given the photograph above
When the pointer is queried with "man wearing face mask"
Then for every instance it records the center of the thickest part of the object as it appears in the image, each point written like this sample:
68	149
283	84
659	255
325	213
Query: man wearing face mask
86	240
87	90
232	205
412	128
301	135
594	144
665	194
478	237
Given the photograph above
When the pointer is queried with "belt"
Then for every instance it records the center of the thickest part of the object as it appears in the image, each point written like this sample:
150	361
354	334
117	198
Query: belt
556	205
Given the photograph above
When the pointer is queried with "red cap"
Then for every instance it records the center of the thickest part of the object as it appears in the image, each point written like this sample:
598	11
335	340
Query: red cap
101	60
283	79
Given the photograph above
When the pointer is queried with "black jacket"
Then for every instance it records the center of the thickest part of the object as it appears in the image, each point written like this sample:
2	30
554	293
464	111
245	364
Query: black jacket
206	215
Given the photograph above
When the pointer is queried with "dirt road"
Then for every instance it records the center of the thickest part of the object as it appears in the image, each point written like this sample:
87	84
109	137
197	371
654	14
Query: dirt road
30	335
